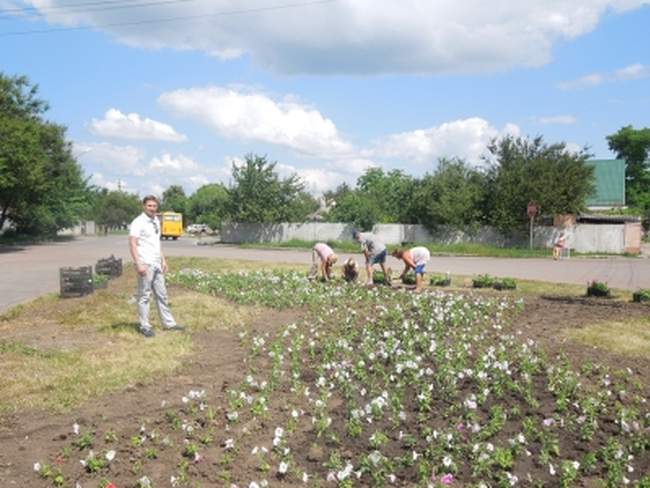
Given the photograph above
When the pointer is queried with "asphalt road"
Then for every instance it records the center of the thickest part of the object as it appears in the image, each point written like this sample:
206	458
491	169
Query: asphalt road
30	271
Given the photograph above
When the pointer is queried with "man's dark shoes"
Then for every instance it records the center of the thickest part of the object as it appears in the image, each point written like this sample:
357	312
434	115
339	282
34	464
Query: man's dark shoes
176	327
147	332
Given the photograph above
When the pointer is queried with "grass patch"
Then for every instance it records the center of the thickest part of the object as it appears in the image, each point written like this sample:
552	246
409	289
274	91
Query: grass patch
58	380
58	353
337	246
460	249
629	337
224	265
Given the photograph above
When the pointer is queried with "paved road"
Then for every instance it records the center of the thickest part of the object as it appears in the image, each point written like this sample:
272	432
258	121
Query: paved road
30	271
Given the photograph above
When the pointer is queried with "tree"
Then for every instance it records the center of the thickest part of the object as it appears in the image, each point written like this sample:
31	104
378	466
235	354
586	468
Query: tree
259	195
207	205
523	169
379	197
174	199
114	209
357	208
633	146
453	195
42	188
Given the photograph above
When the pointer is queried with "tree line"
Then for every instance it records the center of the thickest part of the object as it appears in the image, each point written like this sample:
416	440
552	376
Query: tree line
43	188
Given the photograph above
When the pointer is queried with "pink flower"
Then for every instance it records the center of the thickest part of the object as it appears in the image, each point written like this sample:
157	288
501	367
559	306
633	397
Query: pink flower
447	479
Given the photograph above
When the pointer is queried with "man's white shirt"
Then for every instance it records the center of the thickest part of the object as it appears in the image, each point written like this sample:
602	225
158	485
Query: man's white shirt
147	232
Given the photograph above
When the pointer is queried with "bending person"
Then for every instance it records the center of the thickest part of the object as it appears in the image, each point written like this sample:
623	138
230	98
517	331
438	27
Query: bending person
374	251
327	258
415	258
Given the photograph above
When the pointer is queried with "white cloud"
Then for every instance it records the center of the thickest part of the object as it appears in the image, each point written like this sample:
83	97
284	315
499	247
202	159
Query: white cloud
558	119
236	113
124	159
132	126
357	36
317	180
573	147
465	138
99	180
167	163
352	166
631	72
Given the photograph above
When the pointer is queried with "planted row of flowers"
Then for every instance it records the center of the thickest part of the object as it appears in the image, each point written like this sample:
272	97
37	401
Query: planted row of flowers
376	387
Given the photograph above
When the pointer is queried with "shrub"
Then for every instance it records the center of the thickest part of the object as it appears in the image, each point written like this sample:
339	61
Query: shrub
483	281
100	281
505	284
409	279
378	278
439	280
641	295
598	289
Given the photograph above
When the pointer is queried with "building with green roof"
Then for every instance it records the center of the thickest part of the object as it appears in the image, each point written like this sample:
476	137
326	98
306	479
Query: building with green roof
609	182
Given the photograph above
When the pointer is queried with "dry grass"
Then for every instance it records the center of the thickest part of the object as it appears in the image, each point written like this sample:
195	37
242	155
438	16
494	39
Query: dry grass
627	337
56	354
225	265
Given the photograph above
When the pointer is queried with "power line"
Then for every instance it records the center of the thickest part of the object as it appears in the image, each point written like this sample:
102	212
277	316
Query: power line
97	8
63	6
168	19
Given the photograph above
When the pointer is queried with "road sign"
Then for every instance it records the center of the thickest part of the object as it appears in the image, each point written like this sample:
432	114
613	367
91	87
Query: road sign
532	209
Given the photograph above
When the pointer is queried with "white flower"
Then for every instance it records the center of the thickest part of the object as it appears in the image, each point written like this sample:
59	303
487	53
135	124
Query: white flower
305	477
446	461
375	457
37	467
75	428
345	472
145	482
551	469
110	455
252	484
282	467
230	444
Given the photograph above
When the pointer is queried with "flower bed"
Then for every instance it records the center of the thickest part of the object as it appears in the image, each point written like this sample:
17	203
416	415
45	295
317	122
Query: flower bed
378	387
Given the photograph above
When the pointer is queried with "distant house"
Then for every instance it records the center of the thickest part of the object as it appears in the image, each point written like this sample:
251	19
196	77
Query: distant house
609	181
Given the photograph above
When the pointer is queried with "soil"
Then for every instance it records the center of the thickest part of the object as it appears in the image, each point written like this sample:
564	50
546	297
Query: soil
218	362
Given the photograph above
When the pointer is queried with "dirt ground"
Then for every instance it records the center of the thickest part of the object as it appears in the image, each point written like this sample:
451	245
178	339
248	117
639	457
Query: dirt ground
218	362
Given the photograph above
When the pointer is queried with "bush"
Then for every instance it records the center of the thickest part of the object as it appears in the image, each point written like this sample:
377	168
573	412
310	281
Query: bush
598	289
641	296
409	279
100	281
439	280
505	284
378	278
483	281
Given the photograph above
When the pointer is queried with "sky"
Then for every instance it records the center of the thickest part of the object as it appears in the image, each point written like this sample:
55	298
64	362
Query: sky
175	92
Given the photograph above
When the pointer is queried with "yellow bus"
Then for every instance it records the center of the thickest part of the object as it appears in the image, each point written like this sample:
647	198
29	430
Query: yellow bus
171	225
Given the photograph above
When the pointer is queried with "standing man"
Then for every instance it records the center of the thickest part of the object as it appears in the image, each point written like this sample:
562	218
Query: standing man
375	252
415	258
559	244
144	245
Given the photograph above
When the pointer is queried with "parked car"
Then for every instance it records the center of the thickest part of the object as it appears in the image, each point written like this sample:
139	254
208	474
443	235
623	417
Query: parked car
196	229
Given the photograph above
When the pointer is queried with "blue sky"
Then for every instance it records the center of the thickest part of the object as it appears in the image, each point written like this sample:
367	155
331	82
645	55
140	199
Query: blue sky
326	88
